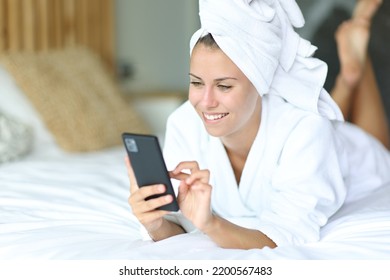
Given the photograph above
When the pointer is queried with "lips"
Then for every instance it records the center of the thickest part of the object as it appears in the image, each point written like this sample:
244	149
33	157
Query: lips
214	117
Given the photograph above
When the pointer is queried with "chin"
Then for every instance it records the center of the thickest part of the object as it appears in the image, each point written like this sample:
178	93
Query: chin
215	132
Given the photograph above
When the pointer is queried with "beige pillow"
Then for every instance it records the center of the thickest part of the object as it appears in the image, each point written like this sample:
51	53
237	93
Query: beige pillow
77	99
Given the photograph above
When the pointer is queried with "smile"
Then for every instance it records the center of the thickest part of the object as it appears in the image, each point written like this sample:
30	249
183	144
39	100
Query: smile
214	117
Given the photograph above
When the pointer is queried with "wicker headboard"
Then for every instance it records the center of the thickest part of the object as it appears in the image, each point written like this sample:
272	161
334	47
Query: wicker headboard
39	25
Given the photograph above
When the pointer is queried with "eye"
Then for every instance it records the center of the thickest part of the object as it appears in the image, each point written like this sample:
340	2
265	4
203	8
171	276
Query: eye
224	87
196	83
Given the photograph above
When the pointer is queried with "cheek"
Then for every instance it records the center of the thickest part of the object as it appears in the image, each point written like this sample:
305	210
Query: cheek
194	97
248	99
252	99
247	106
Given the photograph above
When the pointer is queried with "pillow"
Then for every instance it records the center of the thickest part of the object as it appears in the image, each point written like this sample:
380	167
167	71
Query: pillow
15	139
78	100
16	105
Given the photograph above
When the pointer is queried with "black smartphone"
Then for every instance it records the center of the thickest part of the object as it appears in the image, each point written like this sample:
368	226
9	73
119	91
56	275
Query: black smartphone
148	164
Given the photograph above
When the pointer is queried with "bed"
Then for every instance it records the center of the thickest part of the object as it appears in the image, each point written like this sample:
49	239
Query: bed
63	182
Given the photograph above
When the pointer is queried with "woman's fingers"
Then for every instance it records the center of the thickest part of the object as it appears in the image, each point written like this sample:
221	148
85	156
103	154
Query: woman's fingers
151	206
141	195
150	217
145	200
195	173
130	172
142	208
201	175
179	176
186	165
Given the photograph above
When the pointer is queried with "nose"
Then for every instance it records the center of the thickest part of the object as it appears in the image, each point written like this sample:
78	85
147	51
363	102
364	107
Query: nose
209	99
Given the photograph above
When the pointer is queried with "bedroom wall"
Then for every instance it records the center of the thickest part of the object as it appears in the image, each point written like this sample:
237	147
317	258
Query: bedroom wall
152	39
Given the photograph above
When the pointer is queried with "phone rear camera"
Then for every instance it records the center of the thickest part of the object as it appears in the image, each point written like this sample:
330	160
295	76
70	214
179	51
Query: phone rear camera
131	145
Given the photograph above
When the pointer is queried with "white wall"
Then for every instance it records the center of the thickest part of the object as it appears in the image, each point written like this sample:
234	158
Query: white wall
153	35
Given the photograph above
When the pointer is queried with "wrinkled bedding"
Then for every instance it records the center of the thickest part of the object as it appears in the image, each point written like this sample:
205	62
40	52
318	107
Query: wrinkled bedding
75	207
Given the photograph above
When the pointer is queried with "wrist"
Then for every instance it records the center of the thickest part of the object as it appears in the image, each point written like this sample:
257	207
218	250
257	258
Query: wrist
212	225
155	230
164	230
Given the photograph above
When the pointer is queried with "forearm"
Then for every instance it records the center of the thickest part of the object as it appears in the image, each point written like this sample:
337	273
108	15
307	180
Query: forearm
229	235
167	229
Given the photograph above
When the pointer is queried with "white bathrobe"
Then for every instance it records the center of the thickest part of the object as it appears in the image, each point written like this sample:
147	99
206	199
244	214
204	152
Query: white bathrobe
301	168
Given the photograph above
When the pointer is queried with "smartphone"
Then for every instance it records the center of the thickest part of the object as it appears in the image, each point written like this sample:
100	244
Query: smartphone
148	164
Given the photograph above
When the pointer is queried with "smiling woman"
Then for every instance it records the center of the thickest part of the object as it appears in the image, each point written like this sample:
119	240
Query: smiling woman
225	100
222	95
261	151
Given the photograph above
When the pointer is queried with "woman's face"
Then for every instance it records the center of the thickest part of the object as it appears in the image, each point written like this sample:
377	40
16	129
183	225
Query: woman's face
222	95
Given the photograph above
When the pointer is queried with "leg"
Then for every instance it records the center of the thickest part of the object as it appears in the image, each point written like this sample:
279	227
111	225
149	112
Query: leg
352	39
368	111
356	91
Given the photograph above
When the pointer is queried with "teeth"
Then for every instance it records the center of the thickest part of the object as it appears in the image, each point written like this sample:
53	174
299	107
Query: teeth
215	116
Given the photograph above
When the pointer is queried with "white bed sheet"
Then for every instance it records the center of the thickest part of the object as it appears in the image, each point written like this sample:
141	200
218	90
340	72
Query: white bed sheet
75	207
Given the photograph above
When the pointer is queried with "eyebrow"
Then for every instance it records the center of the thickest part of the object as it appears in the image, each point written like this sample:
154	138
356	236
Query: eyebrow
217	80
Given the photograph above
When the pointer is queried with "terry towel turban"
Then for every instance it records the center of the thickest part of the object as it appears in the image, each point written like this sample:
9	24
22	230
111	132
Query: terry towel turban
259	37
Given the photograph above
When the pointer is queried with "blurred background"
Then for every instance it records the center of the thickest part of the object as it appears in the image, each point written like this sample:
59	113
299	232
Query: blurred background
146	42
152	43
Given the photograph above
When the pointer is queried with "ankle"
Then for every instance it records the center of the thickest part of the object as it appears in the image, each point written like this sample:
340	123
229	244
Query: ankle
343	86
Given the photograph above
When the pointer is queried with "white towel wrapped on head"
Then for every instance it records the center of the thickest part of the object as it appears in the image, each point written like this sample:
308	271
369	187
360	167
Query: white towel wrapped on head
259	37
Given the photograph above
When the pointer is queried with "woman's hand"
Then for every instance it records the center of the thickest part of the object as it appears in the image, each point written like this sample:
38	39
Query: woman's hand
195	200
145	210
194	193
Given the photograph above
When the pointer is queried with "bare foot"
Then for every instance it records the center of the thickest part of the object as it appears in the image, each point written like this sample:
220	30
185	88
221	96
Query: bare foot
352	41
366	9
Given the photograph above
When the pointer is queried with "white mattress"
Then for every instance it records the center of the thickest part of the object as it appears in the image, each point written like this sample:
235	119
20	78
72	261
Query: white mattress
75	207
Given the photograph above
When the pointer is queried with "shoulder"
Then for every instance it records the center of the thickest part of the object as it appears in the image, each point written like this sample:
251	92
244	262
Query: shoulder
285	119
290	132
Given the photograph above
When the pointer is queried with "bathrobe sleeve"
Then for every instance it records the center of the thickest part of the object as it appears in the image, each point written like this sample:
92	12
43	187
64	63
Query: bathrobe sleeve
306	185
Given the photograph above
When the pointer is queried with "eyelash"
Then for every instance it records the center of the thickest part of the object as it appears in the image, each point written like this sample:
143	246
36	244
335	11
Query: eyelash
224	88
196	84
221	87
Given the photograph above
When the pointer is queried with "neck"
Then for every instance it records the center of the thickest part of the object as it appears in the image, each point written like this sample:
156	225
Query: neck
238	144
237	150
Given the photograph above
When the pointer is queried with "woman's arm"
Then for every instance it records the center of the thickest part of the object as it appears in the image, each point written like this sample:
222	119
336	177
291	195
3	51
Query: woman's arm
167	229
229	235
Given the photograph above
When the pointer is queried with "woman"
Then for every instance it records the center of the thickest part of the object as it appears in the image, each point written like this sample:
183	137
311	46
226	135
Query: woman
261	150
